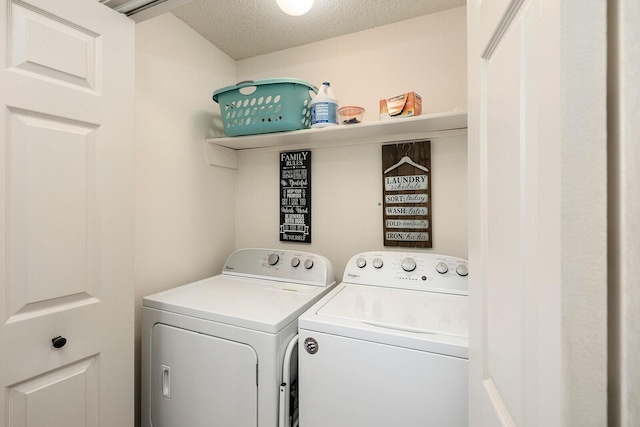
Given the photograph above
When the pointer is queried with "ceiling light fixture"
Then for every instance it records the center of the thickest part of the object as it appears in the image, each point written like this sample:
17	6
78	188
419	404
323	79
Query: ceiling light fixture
295	7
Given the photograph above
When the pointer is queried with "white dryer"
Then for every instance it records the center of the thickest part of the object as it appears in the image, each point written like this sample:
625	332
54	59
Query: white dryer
217	352
388	346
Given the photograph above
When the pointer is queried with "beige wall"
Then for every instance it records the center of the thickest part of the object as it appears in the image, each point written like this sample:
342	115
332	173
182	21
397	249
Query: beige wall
346	181
184	207
425	54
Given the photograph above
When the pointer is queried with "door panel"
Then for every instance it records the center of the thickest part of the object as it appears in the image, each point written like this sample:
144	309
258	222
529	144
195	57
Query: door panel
68	393
514	361
536	233
198	379
505	209
66	214
34	38
624	214
52	210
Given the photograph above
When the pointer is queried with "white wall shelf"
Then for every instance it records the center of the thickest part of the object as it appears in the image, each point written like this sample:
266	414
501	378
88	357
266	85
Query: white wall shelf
369	132
424	126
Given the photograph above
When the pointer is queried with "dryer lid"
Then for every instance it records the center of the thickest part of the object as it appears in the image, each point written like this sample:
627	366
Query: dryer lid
257	304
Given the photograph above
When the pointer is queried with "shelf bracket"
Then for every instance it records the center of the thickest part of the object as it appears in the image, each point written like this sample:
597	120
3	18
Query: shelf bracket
218	155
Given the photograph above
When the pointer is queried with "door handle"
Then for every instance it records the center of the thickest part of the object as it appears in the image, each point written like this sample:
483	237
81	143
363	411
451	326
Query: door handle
165	373
58	342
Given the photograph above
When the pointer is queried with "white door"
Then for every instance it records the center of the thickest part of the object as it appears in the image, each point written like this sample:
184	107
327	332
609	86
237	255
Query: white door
198	380
537	209
66	214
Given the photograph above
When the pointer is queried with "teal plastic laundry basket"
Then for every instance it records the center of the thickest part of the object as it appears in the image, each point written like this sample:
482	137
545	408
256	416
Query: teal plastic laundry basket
263	106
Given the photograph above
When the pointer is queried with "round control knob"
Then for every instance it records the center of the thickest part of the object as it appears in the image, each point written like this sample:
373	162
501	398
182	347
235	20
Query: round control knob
295	262
273	259
462	270
58	342
377	263
442	268
308	264
361	262
408	264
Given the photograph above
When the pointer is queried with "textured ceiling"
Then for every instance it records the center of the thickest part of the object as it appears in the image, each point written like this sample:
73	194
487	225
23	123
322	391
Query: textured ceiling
247	28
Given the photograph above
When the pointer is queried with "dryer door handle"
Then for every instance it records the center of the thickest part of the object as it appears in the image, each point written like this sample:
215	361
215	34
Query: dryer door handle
165	376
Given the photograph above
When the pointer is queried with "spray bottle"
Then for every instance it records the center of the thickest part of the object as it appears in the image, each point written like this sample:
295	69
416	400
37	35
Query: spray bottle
324	107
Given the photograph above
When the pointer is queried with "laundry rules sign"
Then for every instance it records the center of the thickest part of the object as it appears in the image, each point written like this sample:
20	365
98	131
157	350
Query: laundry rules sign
295	196
406	194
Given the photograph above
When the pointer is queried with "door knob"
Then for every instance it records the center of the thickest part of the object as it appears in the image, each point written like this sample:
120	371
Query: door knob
59	342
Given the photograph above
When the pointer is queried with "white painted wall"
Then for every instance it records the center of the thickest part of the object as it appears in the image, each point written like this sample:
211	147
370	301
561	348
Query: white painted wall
426	55
184	226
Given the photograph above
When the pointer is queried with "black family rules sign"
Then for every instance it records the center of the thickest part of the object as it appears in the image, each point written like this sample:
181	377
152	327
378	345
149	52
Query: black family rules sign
295	196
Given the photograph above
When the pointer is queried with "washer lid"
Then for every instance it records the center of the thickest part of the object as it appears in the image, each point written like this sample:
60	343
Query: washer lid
257	304
413	319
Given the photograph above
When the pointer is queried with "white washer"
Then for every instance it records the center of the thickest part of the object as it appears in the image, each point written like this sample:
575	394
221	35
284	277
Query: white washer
388	346
213	351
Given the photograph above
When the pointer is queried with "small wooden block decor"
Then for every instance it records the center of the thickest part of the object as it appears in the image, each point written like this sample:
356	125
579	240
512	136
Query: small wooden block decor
406	194
295	196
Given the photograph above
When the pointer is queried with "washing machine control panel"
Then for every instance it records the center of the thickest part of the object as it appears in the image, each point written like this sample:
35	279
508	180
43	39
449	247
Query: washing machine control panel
408	270
282	265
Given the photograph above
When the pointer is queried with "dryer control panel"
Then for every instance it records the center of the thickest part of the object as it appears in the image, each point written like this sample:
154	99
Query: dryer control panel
409	270
281	265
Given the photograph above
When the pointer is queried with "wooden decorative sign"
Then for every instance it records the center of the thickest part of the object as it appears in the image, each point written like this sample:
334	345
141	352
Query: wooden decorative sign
406	194
295	196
